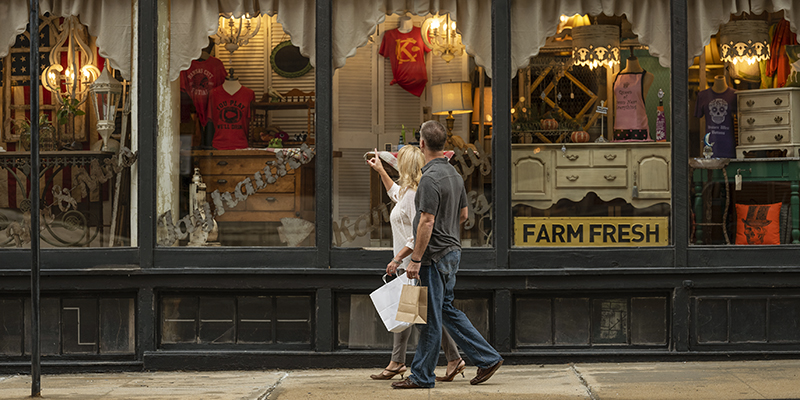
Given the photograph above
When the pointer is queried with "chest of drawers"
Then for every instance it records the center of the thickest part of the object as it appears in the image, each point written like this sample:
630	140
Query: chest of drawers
769	119
291	196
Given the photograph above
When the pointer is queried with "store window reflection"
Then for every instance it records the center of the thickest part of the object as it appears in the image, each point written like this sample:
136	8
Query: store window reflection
85	132
745	105
590	139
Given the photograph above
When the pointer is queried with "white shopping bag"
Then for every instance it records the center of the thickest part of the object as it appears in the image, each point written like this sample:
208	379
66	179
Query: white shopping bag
386	299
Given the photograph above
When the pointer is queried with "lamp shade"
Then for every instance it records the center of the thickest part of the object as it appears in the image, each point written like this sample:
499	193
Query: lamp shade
744	41
487	106
455	97
595	45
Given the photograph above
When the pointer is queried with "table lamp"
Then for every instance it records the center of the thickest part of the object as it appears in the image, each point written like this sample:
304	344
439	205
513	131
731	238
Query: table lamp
452	98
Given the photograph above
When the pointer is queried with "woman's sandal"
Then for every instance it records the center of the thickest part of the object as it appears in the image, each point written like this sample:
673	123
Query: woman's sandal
391	373
449	377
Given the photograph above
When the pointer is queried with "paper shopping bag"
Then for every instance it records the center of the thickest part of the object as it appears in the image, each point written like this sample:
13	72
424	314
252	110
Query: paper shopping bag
413	307
386	299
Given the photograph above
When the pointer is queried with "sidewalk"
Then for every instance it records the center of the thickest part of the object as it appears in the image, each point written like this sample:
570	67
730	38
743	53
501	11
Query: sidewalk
597	381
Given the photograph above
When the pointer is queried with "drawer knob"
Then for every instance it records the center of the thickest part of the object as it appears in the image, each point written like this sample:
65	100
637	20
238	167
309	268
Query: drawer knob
778	101
751	138
778	137
222	163
222	181
572	178
750	103
751	121
610	177
572	157
271	199
778	119
610	157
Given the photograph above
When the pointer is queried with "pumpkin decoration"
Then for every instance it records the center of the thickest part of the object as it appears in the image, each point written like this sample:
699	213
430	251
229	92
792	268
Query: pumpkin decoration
579	137
549	124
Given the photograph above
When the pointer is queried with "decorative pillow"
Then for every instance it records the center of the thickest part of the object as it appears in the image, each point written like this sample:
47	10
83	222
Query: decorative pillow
793	52
758	223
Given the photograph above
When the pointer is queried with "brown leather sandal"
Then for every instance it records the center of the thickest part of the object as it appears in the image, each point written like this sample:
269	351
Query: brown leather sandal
383	376
449	377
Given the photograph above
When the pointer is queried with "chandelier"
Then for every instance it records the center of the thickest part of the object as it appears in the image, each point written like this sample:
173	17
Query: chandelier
439	34
744	41
236	32
595	45
72	82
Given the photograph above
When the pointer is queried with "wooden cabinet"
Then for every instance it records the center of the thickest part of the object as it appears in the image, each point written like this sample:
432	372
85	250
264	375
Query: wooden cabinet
769	119
291	196
543	174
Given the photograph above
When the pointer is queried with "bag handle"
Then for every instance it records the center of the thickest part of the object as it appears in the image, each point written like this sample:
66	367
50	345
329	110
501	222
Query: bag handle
398	272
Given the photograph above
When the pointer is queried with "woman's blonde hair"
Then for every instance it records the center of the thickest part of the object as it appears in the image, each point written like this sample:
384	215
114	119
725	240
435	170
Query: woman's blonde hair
409	162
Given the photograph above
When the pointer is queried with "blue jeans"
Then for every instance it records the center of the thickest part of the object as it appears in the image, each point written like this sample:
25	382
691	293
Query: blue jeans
440	278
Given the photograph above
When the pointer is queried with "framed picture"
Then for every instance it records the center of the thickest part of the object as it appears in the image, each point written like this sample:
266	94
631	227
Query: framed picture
287	61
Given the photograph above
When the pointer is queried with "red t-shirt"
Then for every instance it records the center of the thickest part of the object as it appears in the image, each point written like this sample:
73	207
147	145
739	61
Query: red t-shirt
407	52
199	80
230	114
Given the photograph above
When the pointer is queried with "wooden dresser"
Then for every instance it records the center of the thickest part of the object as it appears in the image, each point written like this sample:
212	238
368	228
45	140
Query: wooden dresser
291	196
769	119
543	174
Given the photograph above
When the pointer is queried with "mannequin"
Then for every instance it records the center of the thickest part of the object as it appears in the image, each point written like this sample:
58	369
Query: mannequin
630	89
406	24
203	75
718	104
231	84
720	86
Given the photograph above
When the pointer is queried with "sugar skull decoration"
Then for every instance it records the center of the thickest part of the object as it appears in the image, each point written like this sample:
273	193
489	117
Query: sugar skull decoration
756	223
718	109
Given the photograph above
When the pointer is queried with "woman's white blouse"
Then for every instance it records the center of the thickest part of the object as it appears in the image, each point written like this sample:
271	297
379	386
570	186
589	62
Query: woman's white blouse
402	218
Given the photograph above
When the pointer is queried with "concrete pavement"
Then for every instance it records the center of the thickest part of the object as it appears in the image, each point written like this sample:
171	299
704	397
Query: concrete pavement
594	381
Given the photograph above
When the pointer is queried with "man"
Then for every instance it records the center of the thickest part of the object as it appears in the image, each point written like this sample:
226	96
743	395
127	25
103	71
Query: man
441	203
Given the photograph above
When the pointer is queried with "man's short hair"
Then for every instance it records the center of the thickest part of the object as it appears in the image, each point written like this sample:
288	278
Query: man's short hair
434	134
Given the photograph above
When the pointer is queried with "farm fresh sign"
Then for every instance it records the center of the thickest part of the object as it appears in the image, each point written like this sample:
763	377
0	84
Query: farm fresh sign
591	231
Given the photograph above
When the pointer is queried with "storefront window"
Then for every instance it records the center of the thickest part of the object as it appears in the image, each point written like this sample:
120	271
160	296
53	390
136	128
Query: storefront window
85	132
382	95
236	160
590	132
744	123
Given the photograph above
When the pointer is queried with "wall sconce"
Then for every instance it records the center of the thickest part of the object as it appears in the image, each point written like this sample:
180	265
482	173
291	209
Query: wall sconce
452	98
744	41
80	71
237	32
439	34
595	45
106	92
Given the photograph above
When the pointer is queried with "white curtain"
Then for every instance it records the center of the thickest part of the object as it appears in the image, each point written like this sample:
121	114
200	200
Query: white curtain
193	21
108	21
15	19
533	21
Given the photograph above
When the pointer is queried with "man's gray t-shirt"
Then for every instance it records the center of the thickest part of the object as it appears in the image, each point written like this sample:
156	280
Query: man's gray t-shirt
441	193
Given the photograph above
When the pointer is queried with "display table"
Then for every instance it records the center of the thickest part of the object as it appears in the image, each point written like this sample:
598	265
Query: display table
637	172
783	169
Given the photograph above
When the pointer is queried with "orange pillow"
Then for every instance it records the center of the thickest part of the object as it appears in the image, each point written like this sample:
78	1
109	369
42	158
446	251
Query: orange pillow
758	224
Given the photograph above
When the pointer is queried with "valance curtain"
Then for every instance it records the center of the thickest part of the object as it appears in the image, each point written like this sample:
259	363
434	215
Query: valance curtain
109	21
533	21
706	17
15	19
193	21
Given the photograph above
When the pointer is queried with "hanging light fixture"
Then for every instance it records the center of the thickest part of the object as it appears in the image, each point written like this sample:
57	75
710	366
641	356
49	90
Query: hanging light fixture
595	45
106	92
72	81
744	41
237	32
439	34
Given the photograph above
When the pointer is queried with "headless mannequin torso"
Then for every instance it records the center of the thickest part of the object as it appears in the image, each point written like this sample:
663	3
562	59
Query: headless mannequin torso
633	67
231	84
720	86
405	25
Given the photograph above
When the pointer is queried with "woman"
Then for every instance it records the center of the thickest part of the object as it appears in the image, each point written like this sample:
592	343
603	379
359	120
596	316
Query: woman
409	163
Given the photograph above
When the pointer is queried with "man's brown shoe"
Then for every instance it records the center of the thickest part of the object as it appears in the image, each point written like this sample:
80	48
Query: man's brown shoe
484	374
406	384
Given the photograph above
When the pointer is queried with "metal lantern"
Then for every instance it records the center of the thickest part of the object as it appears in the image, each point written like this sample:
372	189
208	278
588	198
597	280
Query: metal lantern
744	41
595	45
106	92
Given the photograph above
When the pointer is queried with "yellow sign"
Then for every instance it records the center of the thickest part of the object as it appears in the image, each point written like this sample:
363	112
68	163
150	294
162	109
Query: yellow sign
591	231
